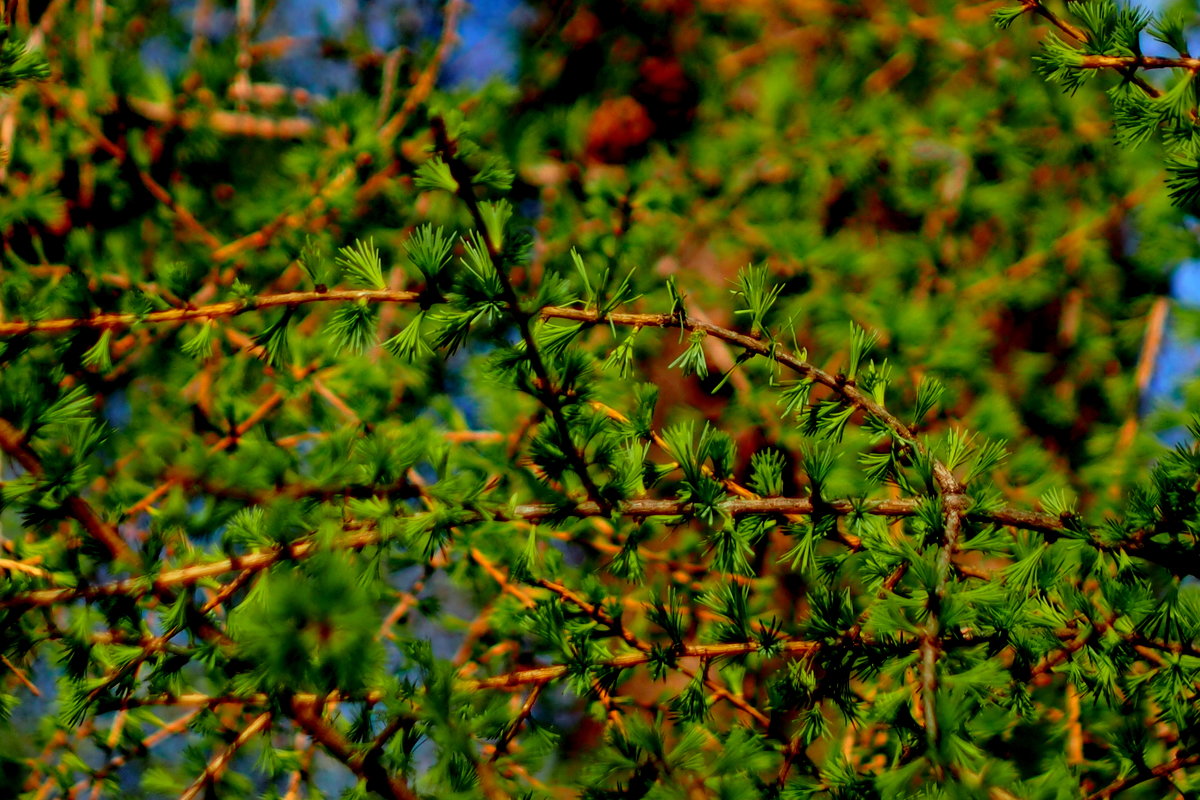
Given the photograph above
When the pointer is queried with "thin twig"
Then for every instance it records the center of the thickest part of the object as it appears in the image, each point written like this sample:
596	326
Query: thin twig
13	443
217	765
548	395
307	714
1160	771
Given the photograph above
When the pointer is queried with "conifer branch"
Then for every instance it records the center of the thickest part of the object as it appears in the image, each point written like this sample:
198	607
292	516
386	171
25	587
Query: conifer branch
1126	71
226	123
13	443
20	675
1164	770
1041	10
260	413
168	730
616	626
307	714
291	219
67	101
515	726
520	317
425	82
852	576
359	537
538	675
164	580
841	385
231	308
1138	62
214	768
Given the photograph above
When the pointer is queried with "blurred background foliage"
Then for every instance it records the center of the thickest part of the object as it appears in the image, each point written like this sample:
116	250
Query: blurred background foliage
895	164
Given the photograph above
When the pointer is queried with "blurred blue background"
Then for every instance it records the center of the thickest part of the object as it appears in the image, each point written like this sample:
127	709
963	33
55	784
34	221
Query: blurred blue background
1178	359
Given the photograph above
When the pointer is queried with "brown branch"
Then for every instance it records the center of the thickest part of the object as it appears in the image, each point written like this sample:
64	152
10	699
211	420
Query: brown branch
1137	62
736	700
597	613
116	762
531	512
256	416
417	95
155	644
548	395
293	490
524	677
844	387
1074	645
513	727
506	586
930	638
426	81
1064	26
21	676
306	749
217	765
12	442
1074	728
1079	36
306	712
1156	324
510	680
538	675
260	413
1160	771
184	576
230	308
69	101
228	123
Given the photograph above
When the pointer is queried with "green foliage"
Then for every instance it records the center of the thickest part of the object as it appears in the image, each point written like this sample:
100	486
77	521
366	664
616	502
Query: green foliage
1143	107
303	630
362	265
17	62
352	326
435	174
348	457
429	251
757	294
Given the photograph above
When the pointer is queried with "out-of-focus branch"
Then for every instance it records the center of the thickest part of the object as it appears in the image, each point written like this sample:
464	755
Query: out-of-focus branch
217	765
228	123
307	714
13	443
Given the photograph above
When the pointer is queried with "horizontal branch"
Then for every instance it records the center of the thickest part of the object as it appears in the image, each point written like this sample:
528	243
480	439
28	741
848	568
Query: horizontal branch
231	308
1137	62
540	675
508	680
527	677
745	506
1046	524
763	347
182	576
846	388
